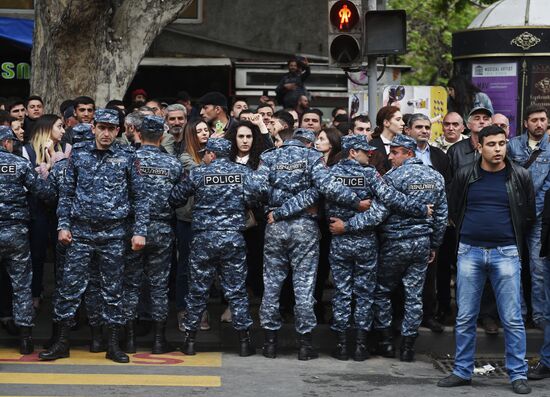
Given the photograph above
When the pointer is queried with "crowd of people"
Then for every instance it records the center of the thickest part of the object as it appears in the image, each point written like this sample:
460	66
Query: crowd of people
273	201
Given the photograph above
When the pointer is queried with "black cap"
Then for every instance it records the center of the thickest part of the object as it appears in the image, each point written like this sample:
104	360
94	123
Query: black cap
213	98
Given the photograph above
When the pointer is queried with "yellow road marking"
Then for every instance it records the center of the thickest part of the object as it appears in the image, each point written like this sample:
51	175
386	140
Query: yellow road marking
84	357
109	379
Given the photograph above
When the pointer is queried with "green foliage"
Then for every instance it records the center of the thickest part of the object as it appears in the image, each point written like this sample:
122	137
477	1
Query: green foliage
430	25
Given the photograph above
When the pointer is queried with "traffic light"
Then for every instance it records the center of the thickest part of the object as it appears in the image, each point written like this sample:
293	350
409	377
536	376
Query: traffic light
344	33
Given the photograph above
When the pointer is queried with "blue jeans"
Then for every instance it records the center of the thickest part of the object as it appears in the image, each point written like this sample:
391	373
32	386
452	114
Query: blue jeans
538	298
502	266
545	351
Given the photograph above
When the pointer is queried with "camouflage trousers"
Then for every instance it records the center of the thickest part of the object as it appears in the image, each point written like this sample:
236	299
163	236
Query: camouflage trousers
15	256
152	262
95	261
401	260
353	260
223	251
290	244
60	258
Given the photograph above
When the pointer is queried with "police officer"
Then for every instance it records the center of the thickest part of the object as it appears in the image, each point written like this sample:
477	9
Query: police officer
102	184
16	177
82	132
222	191
160	172
407	245
353	253
291	237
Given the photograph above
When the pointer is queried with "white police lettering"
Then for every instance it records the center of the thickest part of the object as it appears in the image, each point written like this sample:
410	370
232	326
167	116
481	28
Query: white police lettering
8	169
351	181
154	171
421	186
223	179
300	165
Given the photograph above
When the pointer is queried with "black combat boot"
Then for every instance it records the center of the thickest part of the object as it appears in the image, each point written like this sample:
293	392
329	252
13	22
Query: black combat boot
188	346
246	346
341	350
97	344
361	352
385	345
160	345
25	340
53	338
306	351
113	349
406	351
130	333
270	344
60	349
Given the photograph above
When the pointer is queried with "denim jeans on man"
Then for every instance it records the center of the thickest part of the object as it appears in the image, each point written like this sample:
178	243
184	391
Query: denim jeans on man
503	268
545	350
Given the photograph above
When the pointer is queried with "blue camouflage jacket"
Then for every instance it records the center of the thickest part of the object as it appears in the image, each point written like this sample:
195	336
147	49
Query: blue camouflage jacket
16	175
289	175
160	173
423	184
223	190
348	182
519	152
102	188
55	180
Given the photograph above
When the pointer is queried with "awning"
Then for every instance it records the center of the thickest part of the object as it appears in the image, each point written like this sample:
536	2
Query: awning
185	62
17	30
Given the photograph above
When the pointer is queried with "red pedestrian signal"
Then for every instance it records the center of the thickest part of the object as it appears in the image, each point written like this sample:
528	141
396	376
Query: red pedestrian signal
344	15
344	33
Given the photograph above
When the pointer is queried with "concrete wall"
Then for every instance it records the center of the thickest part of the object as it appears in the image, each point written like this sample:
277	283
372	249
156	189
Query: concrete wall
250	30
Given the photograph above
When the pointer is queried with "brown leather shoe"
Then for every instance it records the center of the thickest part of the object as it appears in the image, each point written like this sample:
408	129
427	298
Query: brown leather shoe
490	326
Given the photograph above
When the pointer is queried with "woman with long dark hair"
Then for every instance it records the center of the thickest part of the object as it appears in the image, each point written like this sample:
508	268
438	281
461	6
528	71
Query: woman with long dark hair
196	135
328	142
43	150
247	144
389	123
464	96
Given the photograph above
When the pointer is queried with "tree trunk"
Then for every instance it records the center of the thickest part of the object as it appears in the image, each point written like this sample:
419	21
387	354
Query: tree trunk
93	48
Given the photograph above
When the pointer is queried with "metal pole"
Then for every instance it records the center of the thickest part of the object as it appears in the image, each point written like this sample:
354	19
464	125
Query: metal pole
372	74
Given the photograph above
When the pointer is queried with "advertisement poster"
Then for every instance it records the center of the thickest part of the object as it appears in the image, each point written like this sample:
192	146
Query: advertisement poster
500	82
428	100
539	86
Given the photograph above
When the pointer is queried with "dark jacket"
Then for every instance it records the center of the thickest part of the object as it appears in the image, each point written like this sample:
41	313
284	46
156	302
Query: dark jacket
462	154
380	160
545	234
441	163
521	196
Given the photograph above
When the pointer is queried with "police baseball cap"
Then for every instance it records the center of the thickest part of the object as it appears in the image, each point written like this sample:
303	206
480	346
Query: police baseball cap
109	116
480	109
82	132
6	133
305	134
357	142
405	141
154	124
220	146
213	98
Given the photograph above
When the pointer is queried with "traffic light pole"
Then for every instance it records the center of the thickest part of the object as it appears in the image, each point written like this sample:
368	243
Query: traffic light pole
372	74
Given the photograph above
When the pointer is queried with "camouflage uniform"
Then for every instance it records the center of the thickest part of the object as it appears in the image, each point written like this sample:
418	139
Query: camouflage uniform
101	189
353	255
406	243
16	177
222	190
293	240
160	173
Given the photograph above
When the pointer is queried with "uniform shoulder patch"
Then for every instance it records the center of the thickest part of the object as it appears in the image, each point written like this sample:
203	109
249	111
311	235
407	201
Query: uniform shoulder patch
154	171
421	186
